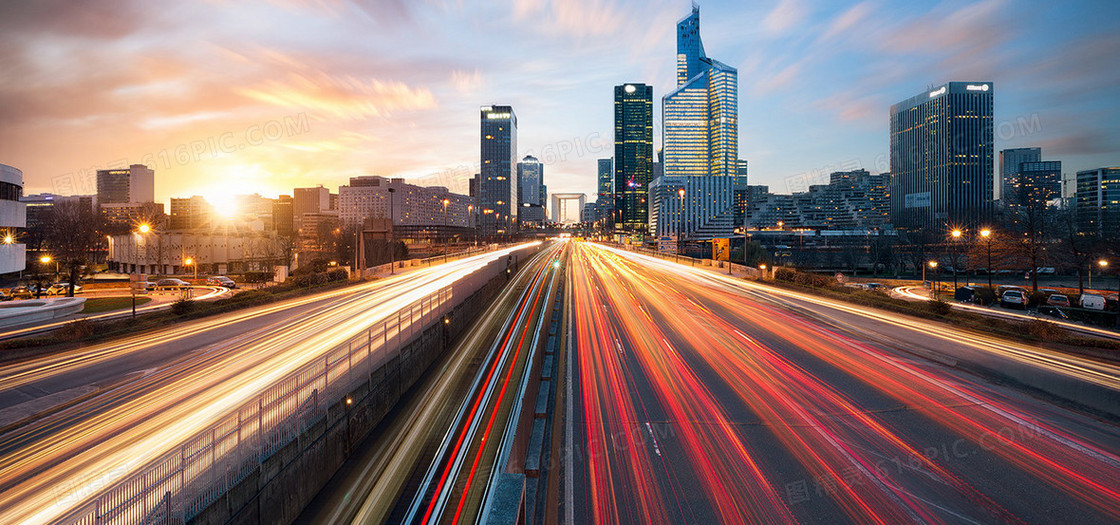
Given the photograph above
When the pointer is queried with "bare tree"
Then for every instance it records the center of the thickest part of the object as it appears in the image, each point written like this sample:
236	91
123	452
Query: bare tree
72	231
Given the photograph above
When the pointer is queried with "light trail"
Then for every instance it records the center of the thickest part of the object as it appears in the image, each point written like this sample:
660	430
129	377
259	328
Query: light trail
703	344
128	428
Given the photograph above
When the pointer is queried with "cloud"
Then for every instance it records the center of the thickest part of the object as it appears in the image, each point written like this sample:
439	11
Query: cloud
847	20
785	16
467	83
342	96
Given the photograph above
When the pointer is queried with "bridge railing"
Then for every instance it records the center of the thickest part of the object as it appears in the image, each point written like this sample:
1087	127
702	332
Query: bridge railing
193	475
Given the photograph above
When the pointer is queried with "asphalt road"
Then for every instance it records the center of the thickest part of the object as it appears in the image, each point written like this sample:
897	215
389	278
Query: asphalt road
433	459
155	390
702	399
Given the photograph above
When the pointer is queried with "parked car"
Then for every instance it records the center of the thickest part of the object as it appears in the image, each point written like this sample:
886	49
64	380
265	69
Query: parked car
875	286
221	280
1013	299
1057	300
172	284
21	292
1092	301
5	296
62	289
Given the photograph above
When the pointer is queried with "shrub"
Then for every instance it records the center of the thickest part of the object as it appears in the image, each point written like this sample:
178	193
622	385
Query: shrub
337	275
256	277
1045	330
77	330
309	279
803	278
938	307
182	307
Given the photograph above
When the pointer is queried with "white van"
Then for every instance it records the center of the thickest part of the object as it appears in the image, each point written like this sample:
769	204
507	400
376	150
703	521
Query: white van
1092	301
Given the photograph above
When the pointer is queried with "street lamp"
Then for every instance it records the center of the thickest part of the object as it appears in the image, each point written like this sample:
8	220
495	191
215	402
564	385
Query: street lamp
471	223
1104	265
986	233
144	228
447	242
190	262
391	235
956	234
762	267
680	224
937	282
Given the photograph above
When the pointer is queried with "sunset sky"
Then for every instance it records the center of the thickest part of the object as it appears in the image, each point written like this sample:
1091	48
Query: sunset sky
263	96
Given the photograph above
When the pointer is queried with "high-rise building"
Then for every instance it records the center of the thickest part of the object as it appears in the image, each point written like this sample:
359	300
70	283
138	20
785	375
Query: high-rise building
414	209
498	193
942	157
605	187
530	180
1035	183
283	215
1096	201
1009	161
852	200
190	213
701	146
633	153
309	200
119	186
701	116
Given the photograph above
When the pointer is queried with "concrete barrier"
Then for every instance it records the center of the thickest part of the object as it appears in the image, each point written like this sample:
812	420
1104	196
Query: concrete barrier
283	484
33	311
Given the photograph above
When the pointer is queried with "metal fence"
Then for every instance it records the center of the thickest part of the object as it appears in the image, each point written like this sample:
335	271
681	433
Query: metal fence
184	481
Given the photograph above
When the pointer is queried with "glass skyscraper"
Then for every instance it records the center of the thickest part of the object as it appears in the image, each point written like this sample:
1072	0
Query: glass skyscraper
1009	161
633	153
942	157
606	182
701	116
530	178
1098	192
498	192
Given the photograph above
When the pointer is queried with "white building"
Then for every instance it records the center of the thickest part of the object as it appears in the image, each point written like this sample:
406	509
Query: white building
13	217
412	205
215	252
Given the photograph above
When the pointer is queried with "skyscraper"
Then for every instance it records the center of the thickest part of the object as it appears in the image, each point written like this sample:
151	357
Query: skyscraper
942	157
701	116
1009	161
121	186
633	153
605	193
1098	192
498	193
530	180
700	154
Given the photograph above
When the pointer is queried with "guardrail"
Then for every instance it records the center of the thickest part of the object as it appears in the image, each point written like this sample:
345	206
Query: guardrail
181	483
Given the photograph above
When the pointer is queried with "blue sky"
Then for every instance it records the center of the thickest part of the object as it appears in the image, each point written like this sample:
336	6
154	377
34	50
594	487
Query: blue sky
263	96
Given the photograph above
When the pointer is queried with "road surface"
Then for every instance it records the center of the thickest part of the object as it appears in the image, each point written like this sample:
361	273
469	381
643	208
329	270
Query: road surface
154	390
701	399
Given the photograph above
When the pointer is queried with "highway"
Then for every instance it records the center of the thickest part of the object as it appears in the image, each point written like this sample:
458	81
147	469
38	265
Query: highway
153	390
437	459
699	398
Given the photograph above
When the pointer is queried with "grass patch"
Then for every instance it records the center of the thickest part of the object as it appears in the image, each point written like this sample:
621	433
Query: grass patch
107	304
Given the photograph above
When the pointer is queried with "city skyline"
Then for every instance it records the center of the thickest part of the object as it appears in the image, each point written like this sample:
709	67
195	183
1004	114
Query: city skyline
252	110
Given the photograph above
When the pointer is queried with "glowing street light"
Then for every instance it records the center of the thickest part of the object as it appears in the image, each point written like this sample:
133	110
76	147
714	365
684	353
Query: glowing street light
190	262
986	233
144	228
8	239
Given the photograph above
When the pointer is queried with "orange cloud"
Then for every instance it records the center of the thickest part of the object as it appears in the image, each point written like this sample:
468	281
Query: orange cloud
341	96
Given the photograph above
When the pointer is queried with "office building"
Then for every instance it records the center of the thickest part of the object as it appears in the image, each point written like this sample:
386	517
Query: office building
1097	201
283	215
13	219
1009	161
498	191
217	252
701	116
530	181
39	205
120	186
416	211
700	153
605	186
190	213
309	200
633	154
942	157
567	208
1037	184
852	200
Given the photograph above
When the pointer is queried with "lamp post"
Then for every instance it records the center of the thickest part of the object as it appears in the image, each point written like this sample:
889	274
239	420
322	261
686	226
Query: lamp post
1104	266
936	282
956	234
447	241
43	262
391	235
470	222
986	233
762	268
680	223
190	262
